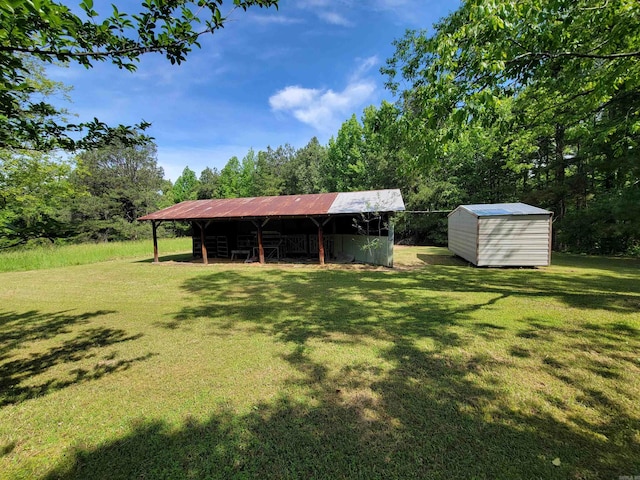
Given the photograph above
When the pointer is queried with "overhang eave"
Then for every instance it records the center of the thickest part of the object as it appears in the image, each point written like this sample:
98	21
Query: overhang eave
254	218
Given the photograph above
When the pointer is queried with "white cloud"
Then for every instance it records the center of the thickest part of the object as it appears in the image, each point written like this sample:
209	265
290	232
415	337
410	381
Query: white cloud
293	97
334	19
313	3
275	19
322	109
364	66
411	12
328	10
326	109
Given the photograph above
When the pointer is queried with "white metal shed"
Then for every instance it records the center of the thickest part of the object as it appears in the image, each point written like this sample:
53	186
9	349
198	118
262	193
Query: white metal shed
501	234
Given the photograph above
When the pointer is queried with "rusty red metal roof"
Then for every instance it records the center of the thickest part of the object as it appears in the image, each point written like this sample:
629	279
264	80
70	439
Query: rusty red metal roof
282	206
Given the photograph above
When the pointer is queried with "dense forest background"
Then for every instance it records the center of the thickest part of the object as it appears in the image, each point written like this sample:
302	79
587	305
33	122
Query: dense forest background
530	101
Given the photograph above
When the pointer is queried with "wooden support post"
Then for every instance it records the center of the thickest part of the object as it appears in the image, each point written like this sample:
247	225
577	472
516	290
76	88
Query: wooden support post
154	226
320	245
260	245
203	245
320	225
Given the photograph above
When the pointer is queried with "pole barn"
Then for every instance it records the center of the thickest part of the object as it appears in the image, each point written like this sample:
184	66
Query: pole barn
346	226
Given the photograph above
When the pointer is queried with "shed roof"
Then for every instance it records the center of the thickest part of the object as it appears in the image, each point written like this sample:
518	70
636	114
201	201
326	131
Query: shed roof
283	206
496	209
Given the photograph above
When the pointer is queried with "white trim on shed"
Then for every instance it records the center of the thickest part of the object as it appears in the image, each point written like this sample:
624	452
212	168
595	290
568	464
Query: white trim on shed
501	234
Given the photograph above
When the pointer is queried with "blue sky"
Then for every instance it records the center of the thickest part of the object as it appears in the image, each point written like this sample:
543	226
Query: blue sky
268	78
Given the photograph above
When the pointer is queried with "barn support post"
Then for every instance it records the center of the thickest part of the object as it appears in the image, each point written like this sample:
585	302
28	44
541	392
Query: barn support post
259	227
320	239
203	245
260	244
154	227
320	245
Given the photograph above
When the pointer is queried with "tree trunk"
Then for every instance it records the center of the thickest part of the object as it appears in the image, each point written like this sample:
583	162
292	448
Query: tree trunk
560	173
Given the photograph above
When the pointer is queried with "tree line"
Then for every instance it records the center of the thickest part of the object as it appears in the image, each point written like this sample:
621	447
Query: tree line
533	101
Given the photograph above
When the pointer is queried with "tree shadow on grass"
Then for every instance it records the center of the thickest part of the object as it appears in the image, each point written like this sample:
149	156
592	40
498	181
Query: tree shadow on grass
584	282
603	290
369	301
425	418
60	360
405	308
16	329
439	411
299	305
175	257
446	259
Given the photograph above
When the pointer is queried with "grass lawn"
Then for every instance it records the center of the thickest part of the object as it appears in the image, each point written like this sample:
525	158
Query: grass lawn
126	369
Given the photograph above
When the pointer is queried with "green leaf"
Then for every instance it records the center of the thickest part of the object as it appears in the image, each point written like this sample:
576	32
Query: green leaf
87	5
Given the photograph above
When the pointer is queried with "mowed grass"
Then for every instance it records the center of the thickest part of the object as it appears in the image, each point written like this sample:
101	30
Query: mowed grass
435	369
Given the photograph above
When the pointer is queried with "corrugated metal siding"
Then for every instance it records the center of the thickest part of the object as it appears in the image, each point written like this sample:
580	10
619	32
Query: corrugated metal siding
521	240
462	234
366	249
370	201
390	243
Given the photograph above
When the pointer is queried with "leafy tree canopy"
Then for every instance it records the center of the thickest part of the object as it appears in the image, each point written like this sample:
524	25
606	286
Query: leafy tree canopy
208	183
51	31
573	56
34	188
186	186
121	183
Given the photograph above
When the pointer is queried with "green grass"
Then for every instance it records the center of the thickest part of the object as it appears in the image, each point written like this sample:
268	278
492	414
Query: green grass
435	369
86	253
